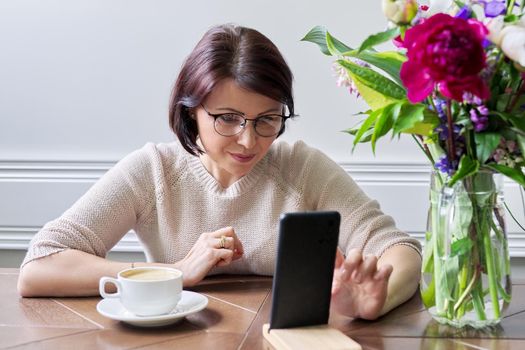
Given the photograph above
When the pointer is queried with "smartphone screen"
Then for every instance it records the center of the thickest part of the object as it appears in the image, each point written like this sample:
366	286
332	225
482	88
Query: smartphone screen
304	270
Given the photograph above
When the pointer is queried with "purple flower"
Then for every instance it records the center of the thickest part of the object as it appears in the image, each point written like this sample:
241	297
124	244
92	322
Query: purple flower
483	110
442	131
499	155
472	99
445	165
493	8
440	108
479	120
464	12
508	153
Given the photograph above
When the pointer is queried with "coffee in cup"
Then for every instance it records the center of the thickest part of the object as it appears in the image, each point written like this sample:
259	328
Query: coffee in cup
149	274
146	291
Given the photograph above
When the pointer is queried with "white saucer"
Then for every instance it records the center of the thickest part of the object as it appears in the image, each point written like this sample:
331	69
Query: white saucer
189	303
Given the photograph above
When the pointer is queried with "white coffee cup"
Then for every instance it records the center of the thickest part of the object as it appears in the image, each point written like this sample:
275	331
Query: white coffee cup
146	291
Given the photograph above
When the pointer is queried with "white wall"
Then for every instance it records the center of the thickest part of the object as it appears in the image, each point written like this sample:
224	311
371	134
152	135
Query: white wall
83	83
90	79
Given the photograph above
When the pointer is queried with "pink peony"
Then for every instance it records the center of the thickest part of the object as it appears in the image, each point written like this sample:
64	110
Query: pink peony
446	51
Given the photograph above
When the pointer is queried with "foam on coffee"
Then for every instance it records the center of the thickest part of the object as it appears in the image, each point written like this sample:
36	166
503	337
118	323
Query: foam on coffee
150	274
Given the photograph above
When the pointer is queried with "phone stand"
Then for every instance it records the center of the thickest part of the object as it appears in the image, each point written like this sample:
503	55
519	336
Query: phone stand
309	338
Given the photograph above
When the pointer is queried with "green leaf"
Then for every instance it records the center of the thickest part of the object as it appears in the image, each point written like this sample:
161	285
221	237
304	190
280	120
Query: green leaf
374	80
459	4
389	61
384	122
428	253
521	142
515	120
511	18
367	124
379	38
332	46
502	101
428	295
425	127
515	174
461	247
372	97
467	166
449	273
318	35
366	137
518	105
486	144
409	115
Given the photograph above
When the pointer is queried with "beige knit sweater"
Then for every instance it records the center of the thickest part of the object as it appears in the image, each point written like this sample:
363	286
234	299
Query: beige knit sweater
168	198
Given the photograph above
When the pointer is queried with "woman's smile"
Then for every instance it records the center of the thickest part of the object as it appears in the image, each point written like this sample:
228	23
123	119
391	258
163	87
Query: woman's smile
242	158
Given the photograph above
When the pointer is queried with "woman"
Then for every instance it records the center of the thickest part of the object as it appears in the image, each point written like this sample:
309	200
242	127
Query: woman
210	202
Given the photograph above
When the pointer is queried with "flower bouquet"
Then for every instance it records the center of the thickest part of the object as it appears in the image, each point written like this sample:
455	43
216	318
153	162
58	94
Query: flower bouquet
454	82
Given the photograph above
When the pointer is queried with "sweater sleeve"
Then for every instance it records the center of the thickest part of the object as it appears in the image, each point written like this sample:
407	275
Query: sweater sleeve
104	214
326	186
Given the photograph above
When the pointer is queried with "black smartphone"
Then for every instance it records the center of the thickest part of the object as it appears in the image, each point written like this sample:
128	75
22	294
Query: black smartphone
302	280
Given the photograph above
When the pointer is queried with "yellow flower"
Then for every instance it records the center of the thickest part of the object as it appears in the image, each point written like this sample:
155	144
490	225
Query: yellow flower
400	11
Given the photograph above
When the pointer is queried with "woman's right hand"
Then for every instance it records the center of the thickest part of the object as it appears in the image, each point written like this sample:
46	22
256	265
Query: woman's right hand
208	252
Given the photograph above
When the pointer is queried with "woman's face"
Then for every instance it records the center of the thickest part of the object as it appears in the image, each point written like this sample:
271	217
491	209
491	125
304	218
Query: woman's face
228	158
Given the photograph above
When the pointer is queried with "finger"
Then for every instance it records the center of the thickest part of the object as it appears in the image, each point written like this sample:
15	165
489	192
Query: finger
336	285
222	238
384	272
225	231
234	242
224	257
238	249
224	242
338	271
352	263
237	254
339	258
236	246
368	267
219	242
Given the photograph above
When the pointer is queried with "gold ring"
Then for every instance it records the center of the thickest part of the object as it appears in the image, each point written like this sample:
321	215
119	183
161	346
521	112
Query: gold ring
222	244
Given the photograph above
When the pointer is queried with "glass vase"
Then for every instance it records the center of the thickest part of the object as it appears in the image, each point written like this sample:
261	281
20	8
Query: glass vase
466	263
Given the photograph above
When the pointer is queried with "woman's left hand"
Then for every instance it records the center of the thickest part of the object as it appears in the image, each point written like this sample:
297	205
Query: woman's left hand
359	287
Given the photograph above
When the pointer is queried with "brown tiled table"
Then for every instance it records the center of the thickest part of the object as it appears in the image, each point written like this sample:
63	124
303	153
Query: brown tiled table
238	307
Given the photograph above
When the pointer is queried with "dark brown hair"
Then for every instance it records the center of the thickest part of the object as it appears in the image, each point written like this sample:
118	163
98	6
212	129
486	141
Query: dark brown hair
227	51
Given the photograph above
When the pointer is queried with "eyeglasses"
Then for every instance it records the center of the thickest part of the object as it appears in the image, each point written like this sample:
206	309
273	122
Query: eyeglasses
230	124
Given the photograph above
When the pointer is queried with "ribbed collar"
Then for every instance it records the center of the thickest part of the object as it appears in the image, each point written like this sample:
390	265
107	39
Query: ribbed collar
210	184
